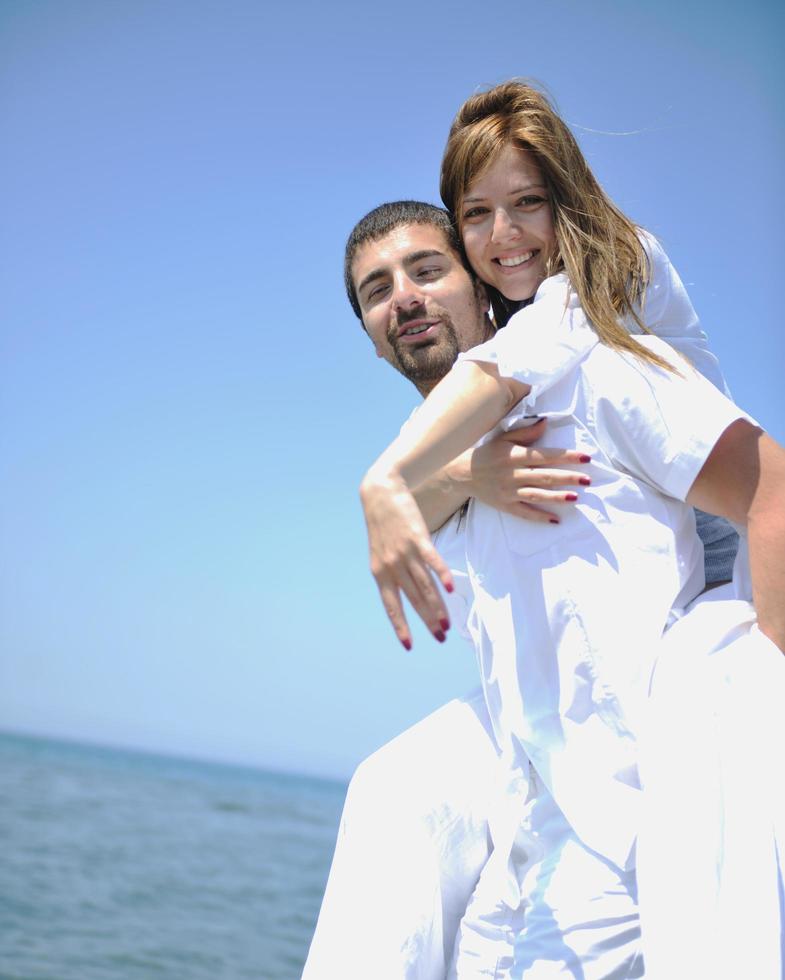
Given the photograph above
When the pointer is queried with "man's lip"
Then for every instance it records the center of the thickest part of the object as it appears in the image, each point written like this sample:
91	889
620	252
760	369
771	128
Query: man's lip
416	323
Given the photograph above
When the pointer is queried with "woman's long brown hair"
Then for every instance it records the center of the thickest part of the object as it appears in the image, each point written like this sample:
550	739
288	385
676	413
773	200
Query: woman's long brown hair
597	245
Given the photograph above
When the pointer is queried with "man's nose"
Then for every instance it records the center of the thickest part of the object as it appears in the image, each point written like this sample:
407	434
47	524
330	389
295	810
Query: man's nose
406	293
504	227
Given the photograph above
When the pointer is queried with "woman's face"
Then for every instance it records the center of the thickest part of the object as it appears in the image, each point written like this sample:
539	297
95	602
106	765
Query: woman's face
507	225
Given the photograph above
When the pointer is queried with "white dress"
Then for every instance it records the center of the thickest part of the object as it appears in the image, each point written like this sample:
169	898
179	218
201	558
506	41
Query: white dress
568	629
713	821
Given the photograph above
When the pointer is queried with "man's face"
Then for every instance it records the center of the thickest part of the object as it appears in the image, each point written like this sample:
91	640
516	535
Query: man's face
418	304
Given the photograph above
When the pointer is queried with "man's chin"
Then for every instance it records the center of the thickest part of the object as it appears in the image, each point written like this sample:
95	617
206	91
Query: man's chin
426	365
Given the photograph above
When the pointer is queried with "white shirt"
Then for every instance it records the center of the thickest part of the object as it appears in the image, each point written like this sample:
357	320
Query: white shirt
566	619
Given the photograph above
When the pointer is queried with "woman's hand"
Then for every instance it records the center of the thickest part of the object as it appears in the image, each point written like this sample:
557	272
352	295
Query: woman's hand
402	556
508	475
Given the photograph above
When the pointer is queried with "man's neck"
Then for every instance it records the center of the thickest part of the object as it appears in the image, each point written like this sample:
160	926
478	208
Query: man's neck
426	387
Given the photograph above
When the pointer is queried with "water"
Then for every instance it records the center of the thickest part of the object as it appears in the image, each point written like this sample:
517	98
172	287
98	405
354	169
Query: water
116	865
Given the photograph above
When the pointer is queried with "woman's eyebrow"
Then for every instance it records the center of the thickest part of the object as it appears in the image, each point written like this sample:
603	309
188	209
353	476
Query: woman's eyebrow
515	190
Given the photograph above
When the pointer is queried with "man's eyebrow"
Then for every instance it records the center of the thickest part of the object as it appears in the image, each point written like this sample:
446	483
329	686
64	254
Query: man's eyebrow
515	190
371	277
424	253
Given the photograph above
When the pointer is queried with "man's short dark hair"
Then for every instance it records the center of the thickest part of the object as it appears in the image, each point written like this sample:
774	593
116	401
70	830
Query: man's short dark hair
386	218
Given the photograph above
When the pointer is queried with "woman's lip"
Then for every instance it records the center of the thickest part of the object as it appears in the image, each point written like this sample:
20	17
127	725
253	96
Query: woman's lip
511	270
531	252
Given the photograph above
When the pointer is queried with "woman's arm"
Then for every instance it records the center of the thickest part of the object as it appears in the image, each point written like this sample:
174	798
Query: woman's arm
507	475
466	404
742	480
463	406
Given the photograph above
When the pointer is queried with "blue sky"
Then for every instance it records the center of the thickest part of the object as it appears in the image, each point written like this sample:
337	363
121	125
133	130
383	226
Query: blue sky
187	401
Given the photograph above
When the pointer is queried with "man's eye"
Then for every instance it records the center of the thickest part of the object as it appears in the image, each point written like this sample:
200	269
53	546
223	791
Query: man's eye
376	292
429	272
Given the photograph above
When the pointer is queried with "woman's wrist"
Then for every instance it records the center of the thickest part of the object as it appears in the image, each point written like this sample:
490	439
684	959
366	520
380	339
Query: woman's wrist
380	478
457	474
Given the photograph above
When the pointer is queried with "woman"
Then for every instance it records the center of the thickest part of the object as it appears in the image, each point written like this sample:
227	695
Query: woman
553	621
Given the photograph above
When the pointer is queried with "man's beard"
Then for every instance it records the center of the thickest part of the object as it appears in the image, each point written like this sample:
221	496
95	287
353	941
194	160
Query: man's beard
428	362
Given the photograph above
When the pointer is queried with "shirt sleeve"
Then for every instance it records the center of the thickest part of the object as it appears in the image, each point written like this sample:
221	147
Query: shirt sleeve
668	313
659	425
541	342
547	338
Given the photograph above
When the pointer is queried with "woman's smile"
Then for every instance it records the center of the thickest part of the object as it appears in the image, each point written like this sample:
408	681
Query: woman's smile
507	226
515	261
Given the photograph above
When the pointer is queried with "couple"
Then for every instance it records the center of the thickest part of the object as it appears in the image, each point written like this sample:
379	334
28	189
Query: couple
528	868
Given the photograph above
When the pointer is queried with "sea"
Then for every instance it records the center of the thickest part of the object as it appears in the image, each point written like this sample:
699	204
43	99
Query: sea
119	865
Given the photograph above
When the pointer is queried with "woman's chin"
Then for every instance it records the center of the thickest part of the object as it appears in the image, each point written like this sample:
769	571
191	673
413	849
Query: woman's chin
517	289
517	294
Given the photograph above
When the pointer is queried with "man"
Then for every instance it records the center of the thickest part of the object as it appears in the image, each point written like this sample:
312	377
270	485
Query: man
417	829
424	815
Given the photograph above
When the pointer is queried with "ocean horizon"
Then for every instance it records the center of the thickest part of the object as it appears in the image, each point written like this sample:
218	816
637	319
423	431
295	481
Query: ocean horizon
121	864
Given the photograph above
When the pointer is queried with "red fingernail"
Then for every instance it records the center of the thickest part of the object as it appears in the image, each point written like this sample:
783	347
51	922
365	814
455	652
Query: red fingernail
444	623
571	496
439	636
407	644
554	520
585	481
585	459
449	587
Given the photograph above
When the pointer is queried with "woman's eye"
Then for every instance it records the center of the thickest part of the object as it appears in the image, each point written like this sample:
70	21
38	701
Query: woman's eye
531	201
474	213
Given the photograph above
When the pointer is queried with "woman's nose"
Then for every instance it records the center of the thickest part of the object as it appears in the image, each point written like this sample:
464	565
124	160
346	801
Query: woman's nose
504	227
